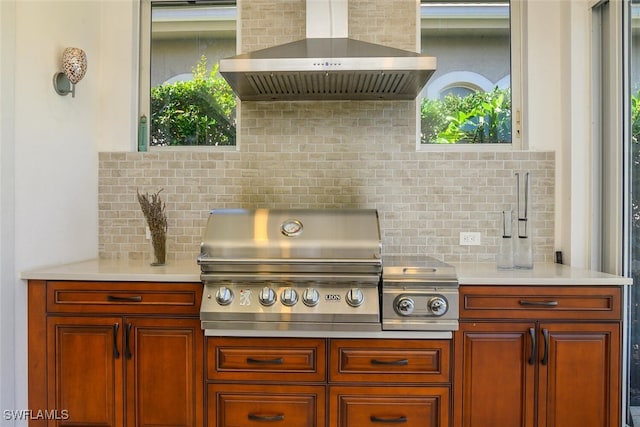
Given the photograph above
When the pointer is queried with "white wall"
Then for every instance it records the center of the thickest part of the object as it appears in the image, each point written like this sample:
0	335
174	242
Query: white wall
49	205
575	200
50	143
557	105
7	271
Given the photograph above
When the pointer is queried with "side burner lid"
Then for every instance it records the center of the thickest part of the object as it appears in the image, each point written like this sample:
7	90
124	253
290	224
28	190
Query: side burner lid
417	268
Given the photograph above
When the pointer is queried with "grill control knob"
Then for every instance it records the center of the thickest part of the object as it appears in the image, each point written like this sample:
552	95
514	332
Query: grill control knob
355	297
267	296
289	297
405	306
224	296
310	297
438	306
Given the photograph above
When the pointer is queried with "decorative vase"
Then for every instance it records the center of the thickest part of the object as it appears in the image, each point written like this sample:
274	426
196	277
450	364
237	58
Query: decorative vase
154	211
159	245
504	256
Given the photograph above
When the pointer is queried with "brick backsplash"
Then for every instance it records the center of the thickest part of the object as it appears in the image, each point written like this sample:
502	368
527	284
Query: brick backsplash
266	23
337	154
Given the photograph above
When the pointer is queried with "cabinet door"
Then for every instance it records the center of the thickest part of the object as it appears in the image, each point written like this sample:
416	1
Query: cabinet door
372	406
579	374
164	365
390	361
494	374
252	405
85	371
269	360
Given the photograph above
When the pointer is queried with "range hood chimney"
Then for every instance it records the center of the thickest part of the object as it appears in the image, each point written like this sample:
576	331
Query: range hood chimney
328	65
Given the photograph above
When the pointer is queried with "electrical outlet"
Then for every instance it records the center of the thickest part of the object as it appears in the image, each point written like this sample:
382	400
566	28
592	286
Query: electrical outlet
469	238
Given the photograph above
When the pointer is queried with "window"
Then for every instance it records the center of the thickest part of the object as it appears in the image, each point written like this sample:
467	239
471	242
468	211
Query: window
471	96
185	101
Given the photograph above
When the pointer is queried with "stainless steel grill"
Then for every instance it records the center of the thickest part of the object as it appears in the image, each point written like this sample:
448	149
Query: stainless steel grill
311	270
283	270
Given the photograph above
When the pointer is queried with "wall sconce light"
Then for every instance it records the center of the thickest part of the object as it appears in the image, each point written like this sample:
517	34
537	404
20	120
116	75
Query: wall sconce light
74	67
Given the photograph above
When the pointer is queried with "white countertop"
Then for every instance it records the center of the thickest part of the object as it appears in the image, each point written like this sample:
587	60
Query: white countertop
188	271
541	274
118	270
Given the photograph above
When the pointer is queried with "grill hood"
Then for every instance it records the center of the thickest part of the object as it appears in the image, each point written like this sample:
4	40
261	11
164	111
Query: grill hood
327	65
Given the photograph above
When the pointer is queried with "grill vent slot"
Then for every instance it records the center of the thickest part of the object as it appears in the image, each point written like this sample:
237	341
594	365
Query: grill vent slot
372	85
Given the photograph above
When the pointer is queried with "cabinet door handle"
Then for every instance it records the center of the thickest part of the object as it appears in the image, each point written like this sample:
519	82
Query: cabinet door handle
545	356
115	298
390	362
389	420
256	417
116	353
278	361
539	303
127	347
532	356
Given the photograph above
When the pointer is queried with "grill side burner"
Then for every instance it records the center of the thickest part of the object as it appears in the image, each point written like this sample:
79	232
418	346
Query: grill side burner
418	294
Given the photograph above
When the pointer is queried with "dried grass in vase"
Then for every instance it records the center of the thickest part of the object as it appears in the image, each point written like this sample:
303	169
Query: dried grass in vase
153	209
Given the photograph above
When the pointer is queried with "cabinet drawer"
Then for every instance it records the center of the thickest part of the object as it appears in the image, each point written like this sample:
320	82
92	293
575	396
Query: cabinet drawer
123	297
233	405
540	302
376	406
266	359
396	361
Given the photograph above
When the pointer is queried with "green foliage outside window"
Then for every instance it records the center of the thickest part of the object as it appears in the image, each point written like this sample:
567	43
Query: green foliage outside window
482	117
195	112
635	183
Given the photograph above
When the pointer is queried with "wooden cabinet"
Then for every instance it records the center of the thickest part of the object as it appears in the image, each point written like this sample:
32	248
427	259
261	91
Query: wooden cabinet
240	405
258	381
164	381
335	382
109	354
134	354
538	357
372	406
378	382
85	370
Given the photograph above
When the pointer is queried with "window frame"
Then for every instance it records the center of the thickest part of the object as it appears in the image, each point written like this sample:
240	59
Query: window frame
517	16
517	10
144	80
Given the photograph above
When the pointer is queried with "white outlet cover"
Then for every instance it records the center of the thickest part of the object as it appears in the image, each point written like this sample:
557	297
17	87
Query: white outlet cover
470	238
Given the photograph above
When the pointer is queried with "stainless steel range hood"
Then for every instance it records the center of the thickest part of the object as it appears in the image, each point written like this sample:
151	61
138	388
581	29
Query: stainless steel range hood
327	65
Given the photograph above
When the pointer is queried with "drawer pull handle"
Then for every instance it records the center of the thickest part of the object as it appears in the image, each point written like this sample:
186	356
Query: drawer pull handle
390	362
277	417
115	298
116	353
278	361
532	357
545	356
390	420
539	303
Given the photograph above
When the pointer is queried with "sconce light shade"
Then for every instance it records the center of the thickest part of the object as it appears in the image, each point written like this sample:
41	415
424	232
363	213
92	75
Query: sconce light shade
74	67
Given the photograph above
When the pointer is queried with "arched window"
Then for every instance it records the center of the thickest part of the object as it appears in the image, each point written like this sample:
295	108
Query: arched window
459	83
